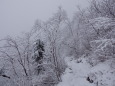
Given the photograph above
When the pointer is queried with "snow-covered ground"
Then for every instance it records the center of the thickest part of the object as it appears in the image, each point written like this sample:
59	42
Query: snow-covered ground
80	73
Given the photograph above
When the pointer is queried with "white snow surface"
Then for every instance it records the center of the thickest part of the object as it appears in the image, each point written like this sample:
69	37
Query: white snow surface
76	74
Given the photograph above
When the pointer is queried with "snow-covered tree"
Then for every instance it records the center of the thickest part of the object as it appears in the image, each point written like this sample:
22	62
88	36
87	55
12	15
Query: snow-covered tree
38	55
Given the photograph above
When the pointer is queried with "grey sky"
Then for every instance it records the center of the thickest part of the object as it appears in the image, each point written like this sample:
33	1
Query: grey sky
19	15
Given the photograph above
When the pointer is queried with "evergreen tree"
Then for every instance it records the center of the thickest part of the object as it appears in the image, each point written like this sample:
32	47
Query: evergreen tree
38	55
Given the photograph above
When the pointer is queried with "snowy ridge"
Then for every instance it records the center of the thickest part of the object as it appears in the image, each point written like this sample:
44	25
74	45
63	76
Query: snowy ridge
77	74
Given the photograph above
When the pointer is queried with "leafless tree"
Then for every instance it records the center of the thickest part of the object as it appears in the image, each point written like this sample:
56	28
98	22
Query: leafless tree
18	52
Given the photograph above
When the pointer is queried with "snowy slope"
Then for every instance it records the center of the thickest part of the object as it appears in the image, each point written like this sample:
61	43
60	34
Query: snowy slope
78	73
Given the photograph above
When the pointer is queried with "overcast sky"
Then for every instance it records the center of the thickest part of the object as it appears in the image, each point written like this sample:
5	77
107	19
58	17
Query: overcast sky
19	15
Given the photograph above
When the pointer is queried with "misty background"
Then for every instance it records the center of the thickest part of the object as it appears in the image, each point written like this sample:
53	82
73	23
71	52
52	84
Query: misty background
17	16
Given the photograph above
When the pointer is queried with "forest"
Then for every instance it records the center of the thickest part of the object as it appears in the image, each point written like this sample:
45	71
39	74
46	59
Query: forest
63	51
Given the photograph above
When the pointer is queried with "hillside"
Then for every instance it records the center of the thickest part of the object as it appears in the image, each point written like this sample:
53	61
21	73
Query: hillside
82	74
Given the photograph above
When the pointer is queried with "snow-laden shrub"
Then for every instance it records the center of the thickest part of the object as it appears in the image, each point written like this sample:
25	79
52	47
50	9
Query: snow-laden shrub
102	50
101	27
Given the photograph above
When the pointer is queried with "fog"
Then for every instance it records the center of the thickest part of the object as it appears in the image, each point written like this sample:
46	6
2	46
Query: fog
17	16
79	51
